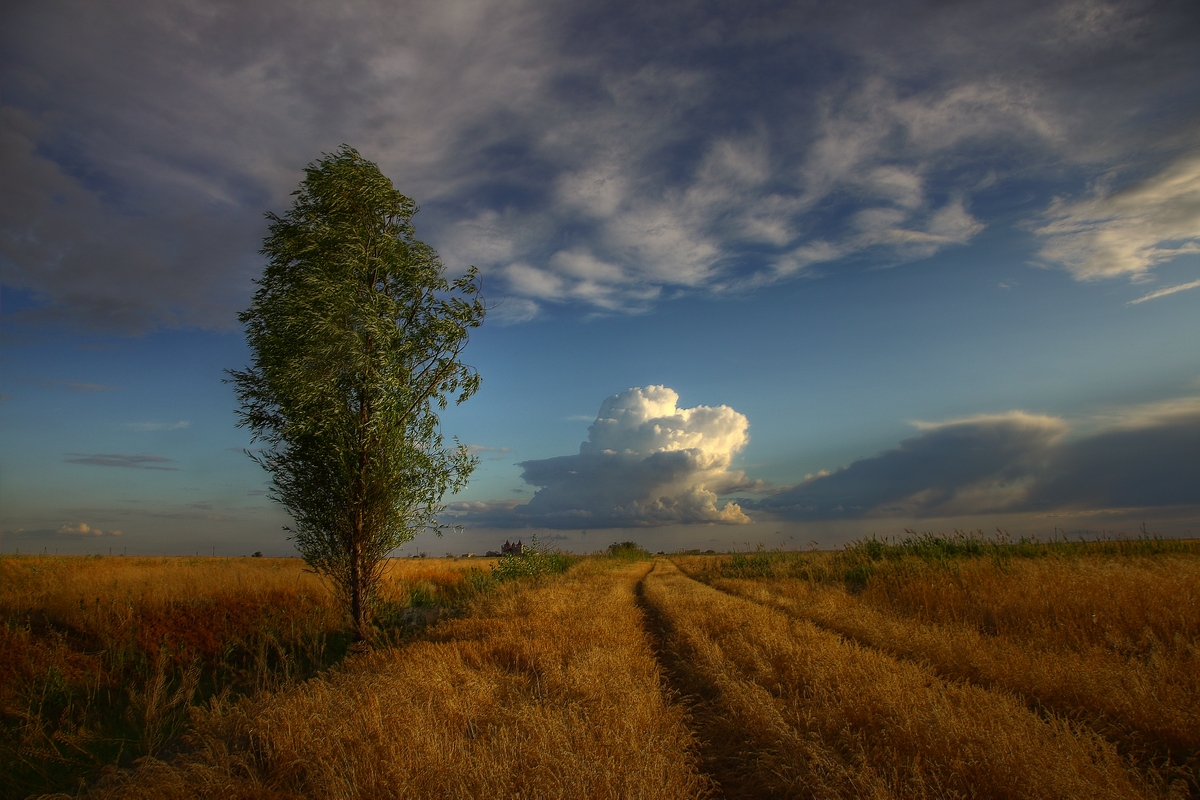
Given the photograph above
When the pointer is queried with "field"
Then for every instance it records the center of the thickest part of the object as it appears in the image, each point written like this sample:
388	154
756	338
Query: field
933	667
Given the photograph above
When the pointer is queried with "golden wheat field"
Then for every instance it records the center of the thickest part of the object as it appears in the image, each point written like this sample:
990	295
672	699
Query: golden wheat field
944	669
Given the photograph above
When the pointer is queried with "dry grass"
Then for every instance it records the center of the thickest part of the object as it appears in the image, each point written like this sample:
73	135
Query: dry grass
872	676
795	710
101	657
1132	606
61	587
549	691
1112	641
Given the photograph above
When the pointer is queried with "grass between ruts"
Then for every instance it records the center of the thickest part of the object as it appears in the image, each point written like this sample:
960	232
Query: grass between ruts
545	690
932	667
791	710
1106	638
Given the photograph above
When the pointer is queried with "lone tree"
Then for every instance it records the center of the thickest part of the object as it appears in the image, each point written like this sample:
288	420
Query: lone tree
356	338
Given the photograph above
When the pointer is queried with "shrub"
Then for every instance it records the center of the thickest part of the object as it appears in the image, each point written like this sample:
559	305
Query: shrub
536	560
627	551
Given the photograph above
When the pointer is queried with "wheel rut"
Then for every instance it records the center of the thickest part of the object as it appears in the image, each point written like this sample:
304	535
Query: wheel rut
1145	753
721	758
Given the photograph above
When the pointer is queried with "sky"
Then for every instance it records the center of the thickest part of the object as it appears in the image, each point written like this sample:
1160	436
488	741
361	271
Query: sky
786	274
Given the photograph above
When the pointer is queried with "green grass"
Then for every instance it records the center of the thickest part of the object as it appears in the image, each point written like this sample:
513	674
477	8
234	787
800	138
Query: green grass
536	560
858	561
627	551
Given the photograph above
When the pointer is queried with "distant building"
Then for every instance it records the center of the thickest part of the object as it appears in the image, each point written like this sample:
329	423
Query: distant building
512	549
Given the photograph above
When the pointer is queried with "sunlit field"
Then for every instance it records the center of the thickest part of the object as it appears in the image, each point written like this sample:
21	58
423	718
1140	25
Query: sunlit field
934	667
101	657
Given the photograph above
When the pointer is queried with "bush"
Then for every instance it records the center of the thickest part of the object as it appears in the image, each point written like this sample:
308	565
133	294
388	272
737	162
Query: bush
627	551
536	560
859	561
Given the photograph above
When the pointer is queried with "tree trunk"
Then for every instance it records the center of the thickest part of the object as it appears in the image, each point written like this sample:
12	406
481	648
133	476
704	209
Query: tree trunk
358	593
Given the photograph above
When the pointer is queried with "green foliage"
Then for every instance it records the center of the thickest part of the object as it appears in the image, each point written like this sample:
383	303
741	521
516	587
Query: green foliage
772	564
931	547
535	561
859	560
627	551
475	583
356	340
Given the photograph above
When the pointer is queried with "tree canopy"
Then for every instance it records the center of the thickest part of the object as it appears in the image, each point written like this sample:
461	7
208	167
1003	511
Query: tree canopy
356	339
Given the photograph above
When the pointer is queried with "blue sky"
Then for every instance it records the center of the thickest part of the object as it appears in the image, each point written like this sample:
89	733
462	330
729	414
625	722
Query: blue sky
774	272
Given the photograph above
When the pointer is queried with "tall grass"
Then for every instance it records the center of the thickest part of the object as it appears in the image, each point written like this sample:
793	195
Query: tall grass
627	551
794	710
101	658
861	559
534	561
937	667
1148	707
547	689
1106	633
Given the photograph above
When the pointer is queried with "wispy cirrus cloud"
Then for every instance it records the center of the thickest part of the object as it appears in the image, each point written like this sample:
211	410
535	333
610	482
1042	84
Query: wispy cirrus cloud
71	531
157	426
566	151
83	529
121	460
493	453
1164	292
1127	232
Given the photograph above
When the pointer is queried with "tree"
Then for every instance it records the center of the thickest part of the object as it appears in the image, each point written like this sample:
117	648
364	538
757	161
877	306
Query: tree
355	338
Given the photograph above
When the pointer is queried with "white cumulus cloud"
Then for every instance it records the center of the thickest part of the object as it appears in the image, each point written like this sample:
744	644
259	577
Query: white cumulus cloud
646	421
646	462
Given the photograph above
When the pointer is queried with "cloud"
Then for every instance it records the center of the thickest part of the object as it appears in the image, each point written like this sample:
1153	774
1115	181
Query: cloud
119	460
1148	456
512	310
498	453
1182	287
83	529
157	426
646	462
603	161
1129	231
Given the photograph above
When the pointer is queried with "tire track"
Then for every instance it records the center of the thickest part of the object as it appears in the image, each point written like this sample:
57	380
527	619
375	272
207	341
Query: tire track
736	758
787	709
1143	727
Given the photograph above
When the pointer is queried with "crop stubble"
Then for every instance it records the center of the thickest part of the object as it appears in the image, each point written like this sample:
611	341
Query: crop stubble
635	681
545	691
794	710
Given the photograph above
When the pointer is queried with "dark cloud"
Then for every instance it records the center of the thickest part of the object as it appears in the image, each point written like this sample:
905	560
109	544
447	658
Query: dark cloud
597	154
120	460
1156	465
1009	463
